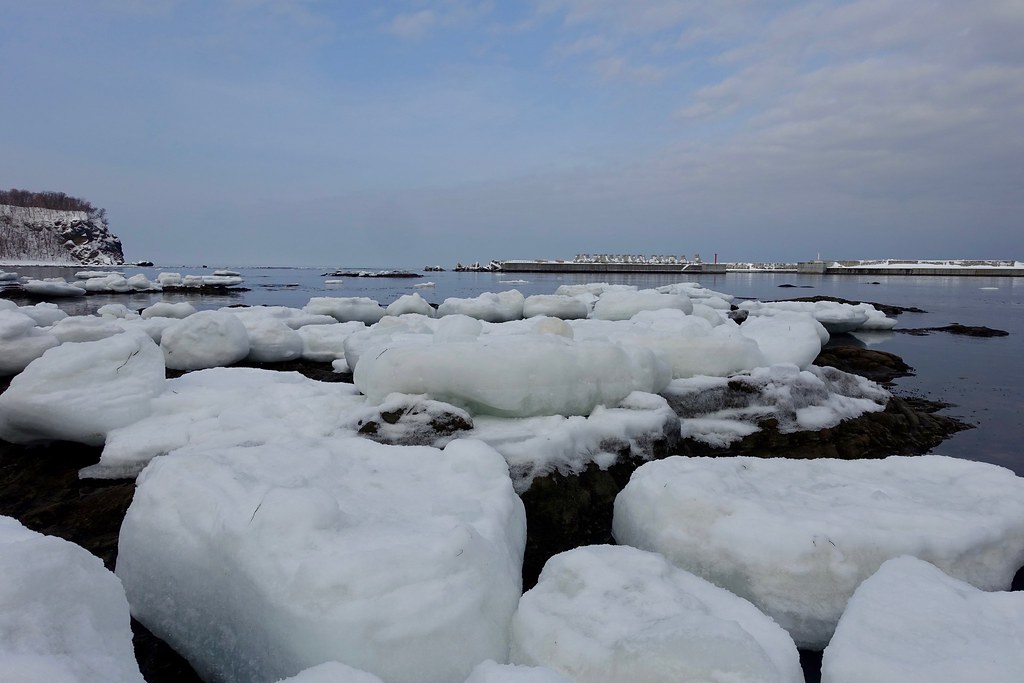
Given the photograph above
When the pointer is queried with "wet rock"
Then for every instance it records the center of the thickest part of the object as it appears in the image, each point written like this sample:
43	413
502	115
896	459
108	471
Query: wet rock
878	366
958	329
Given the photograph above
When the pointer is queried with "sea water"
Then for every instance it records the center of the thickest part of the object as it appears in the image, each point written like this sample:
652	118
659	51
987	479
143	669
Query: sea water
980	377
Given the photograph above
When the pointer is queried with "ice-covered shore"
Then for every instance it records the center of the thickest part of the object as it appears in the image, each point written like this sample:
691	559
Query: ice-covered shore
281	523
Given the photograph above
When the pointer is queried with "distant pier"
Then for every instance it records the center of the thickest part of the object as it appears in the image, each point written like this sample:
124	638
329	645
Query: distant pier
542	266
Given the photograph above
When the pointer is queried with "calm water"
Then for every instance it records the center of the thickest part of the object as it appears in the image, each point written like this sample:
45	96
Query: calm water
980	377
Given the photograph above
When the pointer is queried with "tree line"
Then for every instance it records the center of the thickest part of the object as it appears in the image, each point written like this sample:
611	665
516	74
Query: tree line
58	201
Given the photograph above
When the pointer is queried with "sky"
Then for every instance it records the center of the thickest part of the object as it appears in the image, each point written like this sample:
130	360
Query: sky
406	133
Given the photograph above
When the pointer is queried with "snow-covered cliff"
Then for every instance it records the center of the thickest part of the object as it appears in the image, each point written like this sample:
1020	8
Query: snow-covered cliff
30	234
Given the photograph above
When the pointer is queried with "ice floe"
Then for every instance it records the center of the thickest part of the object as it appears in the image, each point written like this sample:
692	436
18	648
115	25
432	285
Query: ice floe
796	537
606	614
79	392
205	340
259	562
912	622
494	307
63	615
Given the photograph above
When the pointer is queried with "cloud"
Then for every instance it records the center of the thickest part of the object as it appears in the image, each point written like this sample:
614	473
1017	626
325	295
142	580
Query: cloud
413	26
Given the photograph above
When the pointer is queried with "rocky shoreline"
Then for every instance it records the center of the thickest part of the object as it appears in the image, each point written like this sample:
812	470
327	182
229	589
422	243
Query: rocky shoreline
40	485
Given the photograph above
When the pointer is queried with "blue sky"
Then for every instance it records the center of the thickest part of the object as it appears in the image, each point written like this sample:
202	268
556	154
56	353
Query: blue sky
306	132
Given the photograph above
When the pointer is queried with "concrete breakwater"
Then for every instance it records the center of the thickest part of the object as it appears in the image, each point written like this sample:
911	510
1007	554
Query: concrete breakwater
963	268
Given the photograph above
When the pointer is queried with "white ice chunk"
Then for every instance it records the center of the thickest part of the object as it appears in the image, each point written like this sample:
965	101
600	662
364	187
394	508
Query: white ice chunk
595	289
836	317
514	376
169	279
116	311
84	328
270	340
690	344
226	407
537	446
796	537
794	338
555	305
204	340
79	392
624	305
21	342
166	309
346	309
326	343
257	563
410	303
63	616
611	613
490	306
912	622
332	672
45	314
490	671
52	287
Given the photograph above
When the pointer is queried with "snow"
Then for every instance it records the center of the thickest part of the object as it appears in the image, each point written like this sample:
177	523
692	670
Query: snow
79	392
912	622
489	306
63	616
346	309
796	537
204	340
718	411
259	562
613	613
514	375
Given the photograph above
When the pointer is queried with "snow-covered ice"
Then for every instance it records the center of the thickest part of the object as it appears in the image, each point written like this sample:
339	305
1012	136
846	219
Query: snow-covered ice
167	309
63	615
52	287
720	410
205	339
796	537
492	672
326	343
79	392
613	613
834	316
912	622
259	562
514	376
346	309
555	305
21	341
44	313
332	672
227	407
410	303
623	305
494	307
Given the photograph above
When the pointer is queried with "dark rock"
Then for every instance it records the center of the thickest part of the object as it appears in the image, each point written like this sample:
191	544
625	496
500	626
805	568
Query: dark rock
958	329
888	309
878	366
418	422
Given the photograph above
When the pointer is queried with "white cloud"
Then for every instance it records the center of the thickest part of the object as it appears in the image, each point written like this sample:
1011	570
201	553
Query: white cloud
414	25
